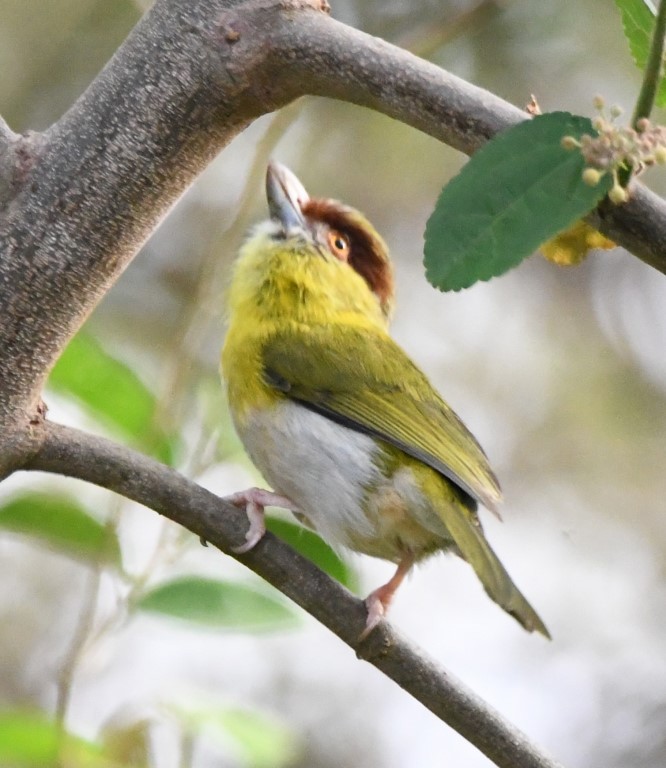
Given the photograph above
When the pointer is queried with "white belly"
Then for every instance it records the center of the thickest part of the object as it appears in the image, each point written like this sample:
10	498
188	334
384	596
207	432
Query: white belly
323	467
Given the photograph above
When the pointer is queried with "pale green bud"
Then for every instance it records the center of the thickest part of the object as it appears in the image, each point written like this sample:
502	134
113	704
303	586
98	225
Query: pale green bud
618	194
569	142
660	155
591	177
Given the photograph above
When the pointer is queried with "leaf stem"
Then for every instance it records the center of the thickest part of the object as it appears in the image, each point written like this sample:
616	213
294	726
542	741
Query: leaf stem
653	68
85	623
187	745
81	633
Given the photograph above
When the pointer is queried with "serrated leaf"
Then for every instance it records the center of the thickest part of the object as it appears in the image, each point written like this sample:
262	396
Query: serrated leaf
263	741
518	191
220	604
312	546
62	524
30	740
638	20
572	246
112	393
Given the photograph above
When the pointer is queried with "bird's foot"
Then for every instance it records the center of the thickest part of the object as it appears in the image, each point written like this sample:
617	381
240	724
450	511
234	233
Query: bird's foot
376	611
377	602
254	500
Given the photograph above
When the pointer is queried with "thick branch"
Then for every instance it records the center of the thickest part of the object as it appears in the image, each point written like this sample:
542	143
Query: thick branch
77	454
88	192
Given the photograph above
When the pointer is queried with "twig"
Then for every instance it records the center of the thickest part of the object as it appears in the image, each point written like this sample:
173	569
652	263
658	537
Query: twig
78	642
83	630
425	39
653	68
98	460
187	747
205	297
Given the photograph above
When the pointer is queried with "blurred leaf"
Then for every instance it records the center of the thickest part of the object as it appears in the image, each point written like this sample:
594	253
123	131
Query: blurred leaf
312	546
638	20
518	191
128	744
572	246
30	740
112	393
61	523
263	741
219	604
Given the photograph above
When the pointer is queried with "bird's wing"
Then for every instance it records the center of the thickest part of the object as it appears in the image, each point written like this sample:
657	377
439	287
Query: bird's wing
363	379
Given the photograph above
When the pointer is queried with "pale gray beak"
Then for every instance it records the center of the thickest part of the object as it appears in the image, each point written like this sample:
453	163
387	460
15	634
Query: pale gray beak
285	195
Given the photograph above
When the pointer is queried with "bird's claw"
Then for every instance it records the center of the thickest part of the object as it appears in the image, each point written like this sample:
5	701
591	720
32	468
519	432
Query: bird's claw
376	612
257	529
254	500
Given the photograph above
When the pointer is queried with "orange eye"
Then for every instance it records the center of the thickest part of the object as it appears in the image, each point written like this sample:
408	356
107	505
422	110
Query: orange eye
339	244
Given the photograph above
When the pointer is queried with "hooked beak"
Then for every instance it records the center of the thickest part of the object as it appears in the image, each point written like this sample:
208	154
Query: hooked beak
285	195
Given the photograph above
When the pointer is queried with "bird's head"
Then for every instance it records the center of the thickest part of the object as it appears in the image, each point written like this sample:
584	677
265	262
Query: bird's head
335	231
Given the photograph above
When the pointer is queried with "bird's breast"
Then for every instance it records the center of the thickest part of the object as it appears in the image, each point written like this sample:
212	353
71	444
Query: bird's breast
341	481
323	467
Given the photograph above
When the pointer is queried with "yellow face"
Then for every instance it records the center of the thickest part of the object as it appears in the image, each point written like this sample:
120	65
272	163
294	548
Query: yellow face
297	279
315	261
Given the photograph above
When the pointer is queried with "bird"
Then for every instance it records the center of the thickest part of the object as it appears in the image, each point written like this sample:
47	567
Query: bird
350	434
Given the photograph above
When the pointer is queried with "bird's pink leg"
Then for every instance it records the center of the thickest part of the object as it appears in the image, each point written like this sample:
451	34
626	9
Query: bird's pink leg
377	602
254	500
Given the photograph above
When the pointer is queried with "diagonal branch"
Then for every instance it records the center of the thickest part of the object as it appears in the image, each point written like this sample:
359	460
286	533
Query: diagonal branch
97	460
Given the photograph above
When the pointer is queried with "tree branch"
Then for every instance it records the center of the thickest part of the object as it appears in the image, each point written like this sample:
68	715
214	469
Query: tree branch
191	75
337	61
97	460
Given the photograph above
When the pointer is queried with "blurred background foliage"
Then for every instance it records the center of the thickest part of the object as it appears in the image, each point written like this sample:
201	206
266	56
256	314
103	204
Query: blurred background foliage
123	642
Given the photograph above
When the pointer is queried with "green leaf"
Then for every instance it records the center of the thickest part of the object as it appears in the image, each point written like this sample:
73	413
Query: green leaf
219	604
638	20
515	193
112	393
312	546
127	743
30	740
263	741
61	523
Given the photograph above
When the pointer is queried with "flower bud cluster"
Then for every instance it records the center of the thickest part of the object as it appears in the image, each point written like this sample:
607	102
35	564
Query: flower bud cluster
618	147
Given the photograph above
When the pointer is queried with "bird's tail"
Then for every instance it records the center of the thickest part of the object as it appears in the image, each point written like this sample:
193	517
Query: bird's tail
468	535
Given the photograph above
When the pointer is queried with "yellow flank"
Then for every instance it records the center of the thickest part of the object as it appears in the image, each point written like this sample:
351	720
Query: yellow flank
277	285
408	510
